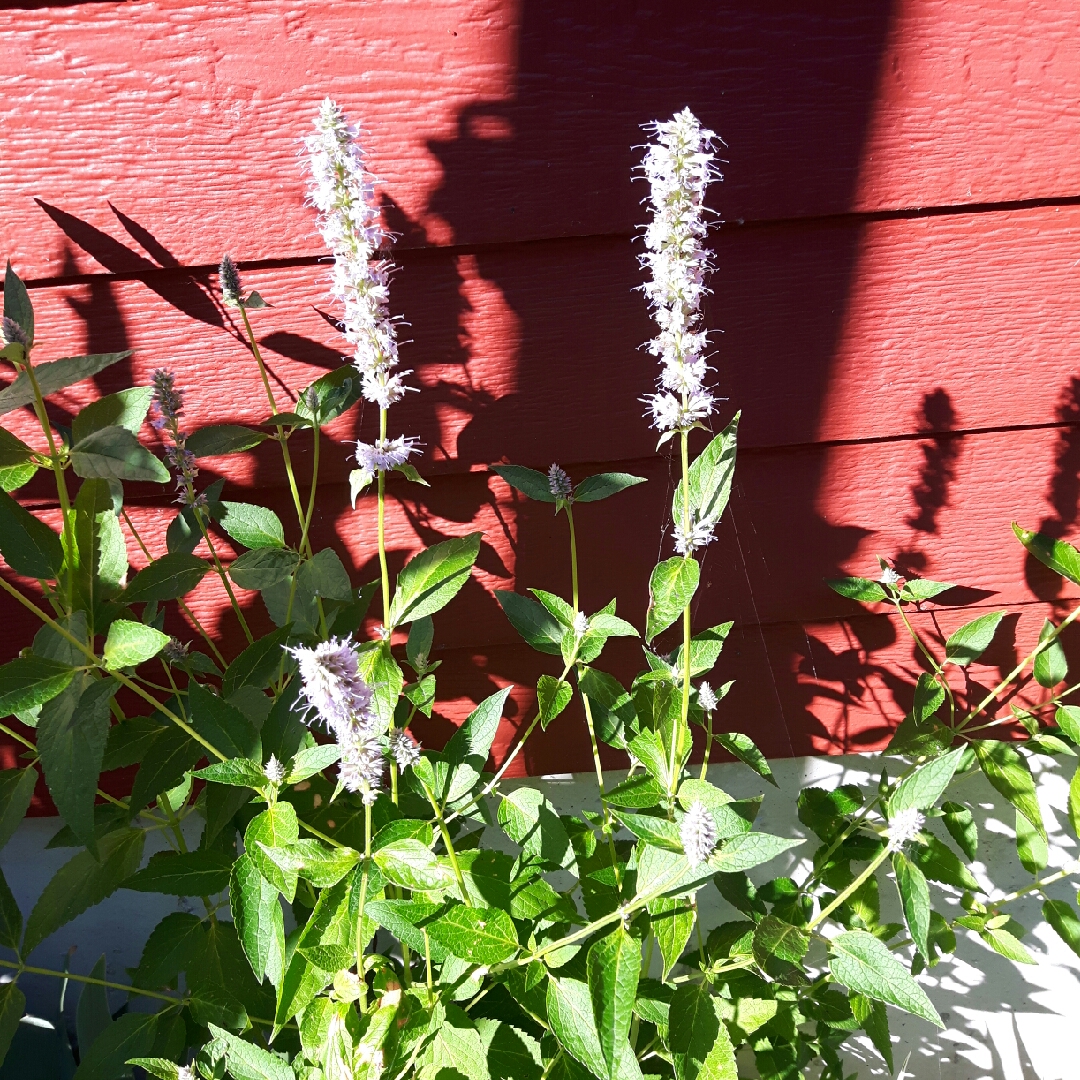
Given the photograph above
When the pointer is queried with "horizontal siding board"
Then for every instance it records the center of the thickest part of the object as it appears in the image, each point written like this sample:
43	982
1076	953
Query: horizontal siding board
493	121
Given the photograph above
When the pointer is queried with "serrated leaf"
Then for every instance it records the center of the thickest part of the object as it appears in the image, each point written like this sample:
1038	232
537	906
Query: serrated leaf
1061	557
11	920
129	1036
13	451
929	697
480	935
552	696
856	588
263	568
222	724
915	899
1010	774
1061	915
922	788
92	1015
131	643
775	937
82	882
29	681
30	547
939	863
705	649
167	578
54	376
671	587
221	439
530	819
751	849
430	580
700	1045
249	1062
1002	942
188	873
604	485
742	747
971	640
672	923
312	760
529	482
276	827
411	865
126	409
710	478
258	664
12	1009
251	525
114	453
259	921
1050	666
1031	848
570	1013
17	305
467	751
174	943
917	589
613	965
864	964
532	621
962	827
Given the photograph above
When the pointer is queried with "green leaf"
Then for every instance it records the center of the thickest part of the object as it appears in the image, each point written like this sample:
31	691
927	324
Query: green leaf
11	920
710	478
467	751
532	621
774	937
54	376
857	588
1050	666
480	935
221	439
253	526
127	409
71	738
17	305
922	788
962	827
1067	718
1009	773
1002	942
971	640
1031	848
16	792
917	589
570	1013
705	650
12	1008
161	1068
330	395
603	485
700	1045
188	873
259	921
1074	802
1061	557
82	882
613	965
431	579
246	1061
612	707
410	864
221	723
742	746
29	681
939	863
312	760
529	482
258	664
552	696
1061	915
173	944
653	828
30	547
263	568
672	923
167	578
17	476
13	451
131	643
113	452
275	828
671	587
93	1015
529	819
864	964
915	898
751	849
236	772
164	763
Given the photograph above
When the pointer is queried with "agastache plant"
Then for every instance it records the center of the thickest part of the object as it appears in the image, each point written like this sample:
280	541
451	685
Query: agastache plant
440	921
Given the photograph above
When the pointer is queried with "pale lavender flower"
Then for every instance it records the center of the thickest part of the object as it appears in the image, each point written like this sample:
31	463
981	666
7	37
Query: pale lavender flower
274	771
169	403
185	1072
559	483
12	333
697	536
175	651
698	834
385	454
581	624
361	766
229	277
403	750
889	577
332	686
904	827
343	191
707	697
679	167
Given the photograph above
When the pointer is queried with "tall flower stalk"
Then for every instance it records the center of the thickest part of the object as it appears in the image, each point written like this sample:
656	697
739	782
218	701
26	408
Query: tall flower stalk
679	166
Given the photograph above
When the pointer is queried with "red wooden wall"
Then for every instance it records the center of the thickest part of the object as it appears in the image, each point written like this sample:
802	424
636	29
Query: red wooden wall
898	286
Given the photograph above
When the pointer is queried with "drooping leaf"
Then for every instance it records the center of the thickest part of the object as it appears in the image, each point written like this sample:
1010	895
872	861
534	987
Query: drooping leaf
1050	666
1061	557
188	873
171	753
751	849
922	788
705	648
430	580
529	482
126	409
223	439
962	827
604	485
864	964
915	899
171	576
29	681
56	375
131	643
222	724
671	587
1061	915
570	1013
172	945
1009	773
258	664
11	920
17	305
710	477
743	747
529	819
532	621
613	966
467	751
700	1045
82	882
30	547
263	568
775	937
246	1061
1031	848
12	1009
92	1015
552	696
16	792
259	921
672	924
970	641
252	525
114	453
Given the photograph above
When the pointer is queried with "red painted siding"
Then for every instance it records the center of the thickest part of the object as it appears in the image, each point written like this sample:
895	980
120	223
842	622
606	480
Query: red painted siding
897	290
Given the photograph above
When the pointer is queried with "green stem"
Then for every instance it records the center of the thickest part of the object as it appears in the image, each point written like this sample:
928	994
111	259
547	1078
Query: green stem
449	844
852	888
384	573
608	831
673	780
708	744
361	944
942	680
1035	886
221	572
573	556
58	472
20	968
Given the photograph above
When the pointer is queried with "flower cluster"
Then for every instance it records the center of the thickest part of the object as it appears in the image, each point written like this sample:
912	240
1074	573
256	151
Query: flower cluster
698	834
707	698
335	693
169	402
232	292
559	483
384	454
904	827
12	333
679	167
343	191
696	536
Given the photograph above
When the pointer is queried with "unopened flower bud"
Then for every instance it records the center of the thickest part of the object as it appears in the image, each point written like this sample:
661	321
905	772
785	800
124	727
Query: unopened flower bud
698	834
229	276
12	332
